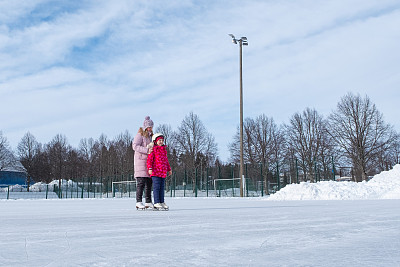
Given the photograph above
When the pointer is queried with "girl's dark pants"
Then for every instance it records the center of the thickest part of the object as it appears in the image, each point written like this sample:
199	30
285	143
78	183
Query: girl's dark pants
142	183
158	189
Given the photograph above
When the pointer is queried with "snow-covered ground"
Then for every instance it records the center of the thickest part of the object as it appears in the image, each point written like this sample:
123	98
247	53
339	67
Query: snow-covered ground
363	231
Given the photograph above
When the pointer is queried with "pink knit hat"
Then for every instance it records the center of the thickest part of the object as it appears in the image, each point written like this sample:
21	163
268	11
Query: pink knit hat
147	123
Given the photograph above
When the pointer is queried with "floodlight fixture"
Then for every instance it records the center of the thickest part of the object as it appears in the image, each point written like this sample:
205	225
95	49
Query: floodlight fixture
233	38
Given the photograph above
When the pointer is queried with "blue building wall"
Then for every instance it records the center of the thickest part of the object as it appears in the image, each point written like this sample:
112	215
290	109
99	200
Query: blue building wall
12	178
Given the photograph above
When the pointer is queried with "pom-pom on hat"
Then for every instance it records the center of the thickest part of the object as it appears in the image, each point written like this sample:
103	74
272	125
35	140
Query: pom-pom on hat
147	123
157	136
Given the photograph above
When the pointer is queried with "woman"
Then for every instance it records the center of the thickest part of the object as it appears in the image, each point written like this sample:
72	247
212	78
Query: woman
143	180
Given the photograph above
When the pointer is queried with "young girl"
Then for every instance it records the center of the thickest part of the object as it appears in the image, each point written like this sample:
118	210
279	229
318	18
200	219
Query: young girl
158	166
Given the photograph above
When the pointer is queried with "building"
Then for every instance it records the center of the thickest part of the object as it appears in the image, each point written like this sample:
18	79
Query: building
13	175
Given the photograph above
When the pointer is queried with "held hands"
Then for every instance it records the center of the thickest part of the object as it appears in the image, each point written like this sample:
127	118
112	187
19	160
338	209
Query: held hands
150	172
150	148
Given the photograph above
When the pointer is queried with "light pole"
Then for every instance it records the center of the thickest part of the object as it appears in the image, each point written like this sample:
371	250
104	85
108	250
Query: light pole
242	41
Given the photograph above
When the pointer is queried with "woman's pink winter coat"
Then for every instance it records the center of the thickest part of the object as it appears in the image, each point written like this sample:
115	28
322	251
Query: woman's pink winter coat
139	145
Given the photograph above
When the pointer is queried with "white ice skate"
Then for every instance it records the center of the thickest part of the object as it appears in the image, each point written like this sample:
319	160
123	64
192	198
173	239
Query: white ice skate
139	206
149	205
165	206
158	206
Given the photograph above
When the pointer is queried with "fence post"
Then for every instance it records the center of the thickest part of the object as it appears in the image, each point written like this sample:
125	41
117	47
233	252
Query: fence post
246	182
107	188
89	183
174	183
83	185
8	192
278	179
47	189
195	183
207	182
233	180
315	170
184	183
297	172
112	188
101	186
262	180
170	186
333	170
219	182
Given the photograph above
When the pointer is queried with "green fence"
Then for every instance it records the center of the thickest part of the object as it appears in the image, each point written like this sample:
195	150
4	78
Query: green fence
219	181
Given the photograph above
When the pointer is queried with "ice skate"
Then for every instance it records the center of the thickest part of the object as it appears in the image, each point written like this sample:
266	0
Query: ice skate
158	206
149	205
140	206
165	206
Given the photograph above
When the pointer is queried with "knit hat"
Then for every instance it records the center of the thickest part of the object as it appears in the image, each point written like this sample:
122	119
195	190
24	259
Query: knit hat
156	137
147	123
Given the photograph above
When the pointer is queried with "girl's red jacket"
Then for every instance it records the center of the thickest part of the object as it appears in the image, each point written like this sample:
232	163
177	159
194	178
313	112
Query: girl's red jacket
157	161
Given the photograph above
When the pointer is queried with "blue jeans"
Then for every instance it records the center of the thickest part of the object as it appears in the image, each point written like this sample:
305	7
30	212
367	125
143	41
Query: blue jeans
158	189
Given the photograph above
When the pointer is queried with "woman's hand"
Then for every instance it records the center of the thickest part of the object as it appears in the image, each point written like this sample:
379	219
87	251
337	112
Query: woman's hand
169	173
150	172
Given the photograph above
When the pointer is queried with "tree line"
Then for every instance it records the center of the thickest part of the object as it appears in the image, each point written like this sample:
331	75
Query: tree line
354	134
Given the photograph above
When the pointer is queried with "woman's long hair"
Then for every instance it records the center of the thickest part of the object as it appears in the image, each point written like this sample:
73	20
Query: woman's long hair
144	133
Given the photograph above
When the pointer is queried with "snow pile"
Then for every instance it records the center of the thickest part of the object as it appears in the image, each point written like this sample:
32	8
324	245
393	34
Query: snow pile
385	185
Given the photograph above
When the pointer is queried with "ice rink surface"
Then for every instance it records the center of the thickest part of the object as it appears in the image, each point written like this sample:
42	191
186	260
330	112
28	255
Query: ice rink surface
200	232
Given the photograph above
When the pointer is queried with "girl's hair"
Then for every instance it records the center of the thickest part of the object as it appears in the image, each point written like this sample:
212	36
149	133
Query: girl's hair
144	133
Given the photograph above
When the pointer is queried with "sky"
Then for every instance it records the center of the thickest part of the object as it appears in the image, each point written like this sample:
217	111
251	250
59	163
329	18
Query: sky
316	230
86	68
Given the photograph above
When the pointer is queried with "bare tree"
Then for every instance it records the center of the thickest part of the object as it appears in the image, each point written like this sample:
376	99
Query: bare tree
263	141
28	148
89	151
307	139
5	157
192	138
58	149
386	159
396	150
360	132
124	153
